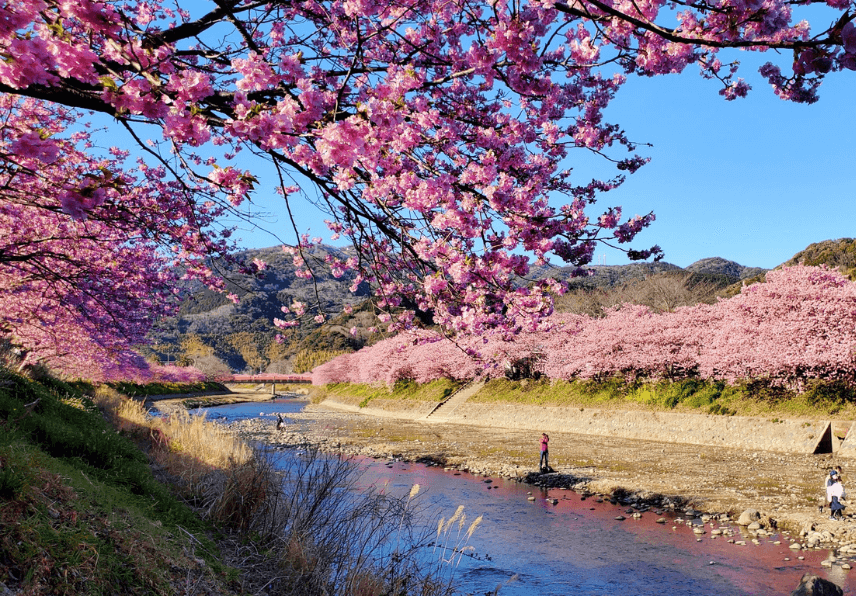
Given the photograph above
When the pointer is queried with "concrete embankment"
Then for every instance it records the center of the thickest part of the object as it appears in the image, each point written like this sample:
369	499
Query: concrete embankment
807	436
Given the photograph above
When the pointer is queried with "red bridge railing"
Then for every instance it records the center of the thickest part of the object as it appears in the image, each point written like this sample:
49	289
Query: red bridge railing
267	378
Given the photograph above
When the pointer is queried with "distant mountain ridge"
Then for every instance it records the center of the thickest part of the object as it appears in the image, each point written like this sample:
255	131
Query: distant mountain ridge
607	276
720	266
212	332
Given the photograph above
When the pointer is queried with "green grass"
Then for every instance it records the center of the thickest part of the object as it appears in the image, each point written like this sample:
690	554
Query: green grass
753	398
435	391
80	511
137	389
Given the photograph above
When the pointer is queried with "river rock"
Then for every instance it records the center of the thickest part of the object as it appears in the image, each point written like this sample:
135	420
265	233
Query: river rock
812	585
753	526
747	517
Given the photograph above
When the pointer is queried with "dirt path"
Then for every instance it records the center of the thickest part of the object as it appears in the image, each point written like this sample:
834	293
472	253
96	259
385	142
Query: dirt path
785	488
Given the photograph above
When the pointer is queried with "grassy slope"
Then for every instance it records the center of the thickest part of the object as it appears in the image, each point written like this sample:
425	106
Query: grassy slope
434	391
704	397
80	511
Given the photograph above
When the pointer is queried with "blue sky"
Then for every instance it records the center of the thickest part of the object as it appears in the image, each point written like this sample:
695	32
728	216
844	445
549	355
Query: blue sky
753	180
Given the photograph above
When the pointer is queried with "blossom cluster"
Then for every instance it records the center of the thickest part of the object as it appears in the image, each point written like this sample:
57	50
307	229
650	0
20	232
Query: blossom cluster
798	325
89	246
435	133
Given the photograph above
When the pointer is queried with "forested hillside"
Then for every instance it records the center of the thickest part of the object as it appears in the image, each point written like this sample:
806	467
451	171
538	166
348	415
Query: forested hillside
217	335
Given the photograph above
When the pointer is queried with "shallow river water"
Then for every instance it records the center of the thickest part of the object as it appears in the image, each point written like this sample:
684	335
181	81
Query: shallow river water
577	547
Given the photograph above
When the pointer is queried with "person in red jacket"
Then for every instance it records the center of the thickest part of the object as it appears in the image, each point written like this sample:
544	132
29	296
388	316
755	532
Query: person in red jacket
544	465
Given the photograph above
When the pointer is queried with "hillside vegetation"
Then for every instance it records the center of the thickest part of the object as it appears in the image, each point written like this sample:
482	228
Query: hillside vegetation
80	510
217	336
150	506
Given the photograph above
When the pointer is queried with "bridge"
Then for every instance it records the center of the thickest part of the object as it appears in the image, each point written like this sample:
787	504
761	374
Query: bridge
266	378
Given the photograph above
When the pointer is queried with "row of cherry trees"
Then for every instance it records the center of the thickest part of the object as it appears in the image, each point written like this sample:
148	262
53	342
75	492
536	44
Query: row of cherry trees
437	135
799	325
89	246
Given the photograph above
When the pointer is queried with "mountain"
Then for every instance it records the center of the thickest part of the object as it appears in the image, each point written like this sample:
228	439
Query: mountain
216	335
839	254
603	276
720	266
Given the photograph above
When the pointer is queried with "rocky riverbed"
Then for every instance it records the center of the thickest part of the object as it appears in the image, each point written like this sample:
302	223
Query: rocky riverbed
771	492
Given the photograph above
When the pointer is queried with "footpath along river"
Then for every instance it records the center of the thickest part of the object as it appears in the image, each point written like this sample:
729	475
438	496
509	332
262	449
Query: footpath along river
577	545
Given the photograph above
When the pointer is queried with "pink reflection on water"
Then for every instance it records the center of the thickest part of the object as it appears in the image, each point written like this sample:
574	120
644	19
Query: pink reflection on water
577	546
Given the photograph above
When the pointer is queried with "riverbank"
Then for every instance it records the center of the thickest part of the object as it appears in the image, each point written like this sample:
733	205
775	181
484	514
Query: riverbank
784	488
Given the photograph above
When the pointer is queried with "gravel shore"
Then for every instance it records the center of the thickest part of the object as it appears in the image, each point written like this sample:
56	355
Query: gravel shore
784	489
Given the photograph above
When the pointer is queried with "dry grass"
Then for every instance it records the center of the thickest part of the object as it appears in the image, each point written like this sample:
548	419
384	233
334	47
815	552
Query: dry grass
214	469
194	437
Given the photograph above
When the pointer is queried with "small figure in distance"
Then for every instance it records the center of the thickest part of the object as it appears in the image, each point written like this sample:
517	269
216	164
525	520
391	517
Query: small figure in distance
543	464
834	494
280	423
827	483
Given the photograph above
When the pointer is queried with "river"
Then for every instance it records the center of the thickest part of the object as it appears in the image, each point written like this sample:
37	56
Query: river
577	546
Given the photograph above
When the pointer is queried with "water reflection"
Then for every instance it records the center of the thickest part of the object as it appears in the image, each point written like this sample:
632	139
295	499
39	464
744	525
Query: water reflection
577	546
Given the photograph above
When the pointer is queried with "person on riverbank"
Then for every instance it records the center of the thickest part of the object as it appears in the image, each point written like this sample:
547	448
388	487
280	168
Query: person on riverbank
834	494
827	482
544	464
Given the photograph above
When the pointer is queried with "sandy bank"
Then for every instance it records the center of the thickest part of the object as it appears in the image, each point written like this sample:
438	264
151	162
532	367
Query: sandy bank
784	487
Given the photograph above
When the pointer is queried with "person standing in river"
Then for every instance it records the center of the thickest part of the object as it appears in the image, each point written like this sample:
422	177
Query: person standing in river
543	464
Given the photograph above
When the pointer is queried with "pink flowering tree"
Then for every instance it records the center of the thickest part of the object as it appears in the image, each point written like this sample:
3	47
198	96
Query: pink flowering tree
89	246
436	135
797	326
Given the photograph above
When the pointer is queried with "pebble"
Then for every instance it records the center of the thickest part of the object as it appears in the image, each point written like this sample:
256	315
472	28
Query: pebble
620	517
531	498
662	520
846	566
796	546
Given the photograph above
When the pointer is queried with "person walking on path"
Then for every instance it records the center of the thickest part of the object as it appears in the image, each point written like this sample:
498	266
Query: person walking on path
543	464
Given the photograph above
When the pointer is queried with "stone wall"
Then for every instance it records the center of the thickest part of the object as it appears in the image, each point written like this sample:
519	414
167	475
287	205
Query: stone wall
738	432
408	409
766	434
